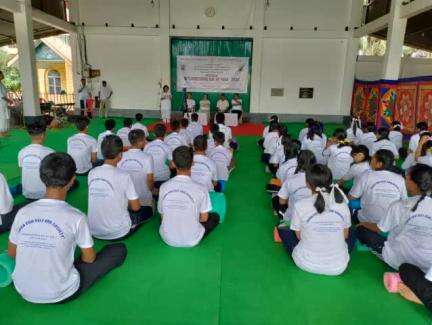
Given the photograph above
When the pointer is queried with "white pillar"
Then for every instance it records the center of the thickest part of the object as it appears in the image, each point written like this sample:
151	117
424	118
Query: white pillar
395	41
164	25
258	26
76	59
26	51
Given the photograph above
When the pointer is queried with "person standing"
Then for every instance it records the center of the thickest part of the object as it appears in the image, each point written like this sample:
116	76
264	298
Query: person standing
204	106
83	95
165	104
105	94
190	103
4	111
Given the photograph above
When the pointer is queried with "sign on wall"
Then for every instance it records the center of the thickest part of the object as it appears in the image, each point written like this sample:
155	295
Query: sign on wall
213	74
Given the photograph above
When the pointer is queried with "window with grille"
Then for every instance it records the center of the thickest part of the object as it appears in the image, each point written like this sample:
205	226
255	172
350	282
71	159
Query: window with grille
54	82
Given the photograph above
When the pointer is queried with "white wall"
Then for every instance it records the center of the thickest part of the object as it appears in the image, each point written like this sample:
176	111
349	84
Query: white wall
287	59
369	68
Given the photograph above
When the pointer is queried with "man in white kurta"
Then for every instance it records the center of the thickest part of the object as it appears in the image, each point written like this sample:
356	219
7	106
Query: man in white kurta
4	111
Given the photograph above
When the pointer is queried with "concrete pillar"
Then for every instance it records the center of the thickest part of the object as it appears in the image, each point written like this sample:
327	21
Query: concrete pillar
258	26
26	59
165	50
395	41
74	44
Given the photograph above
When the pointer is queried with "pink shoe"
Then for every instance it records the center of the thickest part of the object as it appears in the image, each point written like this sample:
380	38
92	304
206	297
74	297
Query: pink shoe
276	236
391	281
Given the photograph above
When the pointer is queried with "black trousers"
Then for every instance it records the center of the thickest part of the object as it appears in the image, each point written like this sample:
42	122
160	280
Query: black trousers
371	239
414	278
211	223
83	108
290	240
261	143
109	257
8	218
138	218
279	208
265	158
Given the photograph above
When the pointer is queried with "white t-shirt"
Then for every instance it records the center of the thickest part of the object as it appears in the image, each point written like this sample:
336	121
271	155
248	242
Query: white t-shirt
367	139
317	146
181	200
46	233
356	170
161	154
140	126
6	199
29	160
81	146
222	105
100	138
204	171
396	137
139	165
228	133
339	160
204	105
105	92
322	248
123	133
294	189
385	145
236	105
354	138
187	136
175	140
377	190
286	169
271	142
190	104
109	192
278	157
425	160
195	129
265	131
303	133
222	157
414	141
84	93
410	233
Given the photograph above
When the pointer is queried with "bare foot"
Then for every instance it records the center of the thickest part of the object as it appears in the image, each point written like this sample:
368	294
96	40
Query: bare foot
406	292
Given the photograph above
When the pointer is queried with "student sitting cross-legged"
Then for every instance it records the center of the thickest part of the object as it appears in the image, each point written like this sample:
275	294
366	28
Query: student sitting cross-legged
204	169
44	236
111	192
7	208
123	133
320	239
139	165
29	159
82	147
222	156
184	205
109	129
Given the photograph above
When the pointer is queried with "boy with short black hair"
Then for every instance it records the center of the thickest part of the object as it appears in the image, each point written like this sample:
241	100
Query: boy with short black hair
110	193
109	129
44	236
82	147
220	121
29	159
174	139
138	125
204	169
222	156
184	205
184	132
123	133
195	128
139	165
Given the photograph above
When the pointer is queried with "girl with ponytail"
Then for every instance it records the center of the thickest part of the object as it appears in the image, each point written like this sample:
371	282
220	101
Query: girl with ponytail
289	165
315	141
396	135
338	154
383	142
409	224
354	132
278	157
319	238
368	137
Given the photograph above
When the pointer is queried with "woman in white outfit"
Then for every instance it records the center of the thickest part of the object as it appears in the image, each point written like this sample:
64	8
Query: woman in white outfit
204	106
4	111
166	104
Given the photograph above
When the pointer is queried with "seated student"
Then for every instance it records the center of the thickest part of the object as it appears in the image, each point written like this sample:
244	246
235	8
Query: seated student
320	239
204	169
82	147
396	135
416	286
123	133
288	167
354	132
368	137
138	124
161	154
195	128
184	132
210	140
278	157
421	127
44	236
273	118
7	208
220	121
315	141
140	167
222	156
174	139
423	154
338	154
408	222
383	142
271	142
379	188
303	132
29	159
185	205
109	130
360	165
110	193
294	188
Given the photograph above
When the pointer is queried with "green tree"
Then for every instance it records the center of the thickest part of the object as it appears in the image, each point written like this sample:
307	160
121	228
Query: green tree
12	79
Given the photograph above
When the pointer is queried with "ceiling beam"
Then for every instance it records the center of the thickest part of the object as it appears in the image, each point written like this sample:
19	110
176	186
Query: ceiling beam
373	26
414	8
10	5
50	20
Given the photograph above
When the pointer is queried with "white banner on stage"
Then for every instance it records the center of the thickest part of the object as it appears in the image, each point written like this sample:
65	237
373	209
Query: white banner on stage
213	74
